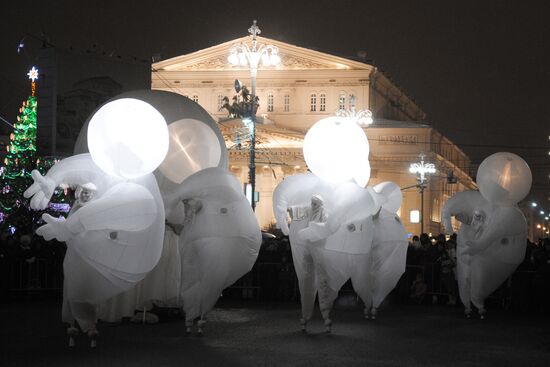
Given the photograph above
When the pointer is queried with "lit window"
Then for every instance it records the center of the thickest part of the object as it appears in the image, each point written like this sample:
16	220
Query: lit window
220	101
195	98
313	104
436	210
270	102
287	102
322	102
342	101
414	216
351	102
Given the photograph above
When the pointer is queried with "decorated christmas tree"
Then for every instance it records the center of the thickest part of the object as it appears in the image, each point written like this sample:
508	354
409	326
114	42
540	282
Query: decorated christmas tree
21	159
21	153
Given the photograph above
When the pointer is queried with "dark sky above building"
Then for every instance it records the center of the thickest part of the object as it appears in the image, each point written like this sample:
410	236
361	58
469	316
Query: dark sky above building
479	69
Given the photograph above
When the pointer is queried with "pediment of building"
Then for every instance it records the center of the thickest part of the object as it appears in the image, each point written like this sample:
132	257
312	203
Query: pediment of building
292	58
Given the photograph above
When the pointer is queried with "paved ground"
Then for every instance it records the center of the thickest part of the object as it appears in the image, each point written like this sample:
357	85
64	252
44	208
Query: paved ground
256	334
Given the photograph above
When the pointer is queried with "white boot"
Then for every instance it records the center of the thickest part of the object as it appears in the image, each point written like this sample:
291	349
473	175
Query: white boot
482	313
328	325
468	312
366	313
72	332
373	313
303	325
92	335
200	325
188	326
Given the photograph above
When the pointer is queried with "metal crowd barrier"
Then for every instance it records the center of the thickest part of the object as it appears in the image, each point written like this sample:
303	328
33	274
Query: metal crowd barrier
38	275
267	281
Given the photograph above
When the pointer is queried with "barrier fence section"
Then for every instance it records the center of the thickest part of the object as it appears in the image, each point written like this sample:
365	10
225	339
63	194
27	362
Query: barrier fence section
277	281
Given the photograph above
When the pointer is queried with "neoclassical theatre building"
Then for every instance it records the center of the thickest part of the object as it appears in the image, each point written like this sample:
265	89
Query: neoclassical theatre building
309	85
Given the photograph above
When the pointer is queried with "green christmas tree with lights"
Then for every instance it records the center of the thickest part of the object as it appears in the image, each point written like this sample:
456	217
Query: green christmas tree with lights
16	216
21	153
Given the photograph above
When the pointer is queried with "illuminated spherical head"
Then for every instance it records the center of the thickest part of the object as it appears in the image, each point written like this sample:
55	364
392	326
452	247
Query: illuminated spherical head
127	138
336	150
194	146
504	178
388	195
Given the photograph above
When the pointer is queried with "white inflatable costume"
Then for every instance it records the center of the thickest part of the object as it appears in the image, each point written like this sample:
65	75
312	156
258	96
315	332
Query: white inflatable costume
493	231
114	231
207	217
352	239
220	239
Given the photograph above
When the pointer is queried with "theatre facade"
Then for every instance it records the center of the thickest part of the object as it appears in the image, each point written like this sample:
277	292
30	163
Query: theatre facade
305	87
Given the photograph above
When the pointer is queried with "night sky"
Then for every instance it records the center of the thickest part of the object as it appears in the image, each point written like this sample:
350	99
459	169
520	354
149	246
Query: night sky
479	69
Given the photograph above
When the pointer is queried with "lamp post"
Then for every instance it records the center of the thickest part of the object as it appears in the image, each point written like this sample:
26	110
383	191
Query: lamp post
242	54
421	169
361	117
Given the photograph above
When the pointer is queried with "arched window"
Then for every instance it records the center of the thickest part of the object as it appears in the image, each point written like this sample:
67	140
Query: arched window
322	102
287	102
342	101
313	102
270	99
352	102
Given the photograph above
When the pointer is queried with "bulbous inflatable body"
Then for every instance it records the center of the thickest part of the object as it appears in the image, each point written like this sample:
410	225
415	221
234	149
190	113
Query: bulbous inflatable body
359	240
493	231
220	239
195	144
113	240
115	229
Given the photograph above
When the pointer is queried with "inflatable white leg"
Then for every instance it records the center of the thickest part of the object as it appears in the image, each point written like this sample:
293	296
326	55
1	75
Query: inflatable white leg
188	326
463	274
92	335
303	263
200	325
373	312
327	296
328	325
72	332
303	324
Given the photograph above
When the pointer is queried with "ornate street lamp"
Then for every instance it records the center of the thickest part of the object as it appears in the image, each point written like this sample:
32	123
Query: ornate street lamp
361	117
422	169
242	54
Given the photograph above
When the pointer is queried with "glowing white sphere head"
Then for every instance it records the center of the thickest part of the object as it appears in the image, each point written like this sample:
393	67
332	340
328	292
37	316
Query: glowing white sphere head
388	195
194	146
504	178
336	149
127	138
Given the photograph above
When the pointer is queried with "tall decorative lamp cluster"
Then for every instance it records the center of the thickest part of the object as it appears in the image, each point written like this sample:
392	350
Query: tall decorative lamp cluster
422	169
242	54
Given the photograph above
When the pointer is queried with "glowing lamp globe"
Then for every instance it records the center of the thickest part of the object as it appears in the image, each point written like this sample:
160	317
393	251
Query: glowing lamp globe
127	138
194	146
337	150
504	178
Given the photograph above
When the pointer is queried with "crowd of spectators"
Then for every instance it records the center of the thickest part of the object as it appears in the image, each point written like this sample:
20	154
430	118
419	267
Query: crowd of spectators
431	271
29	263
